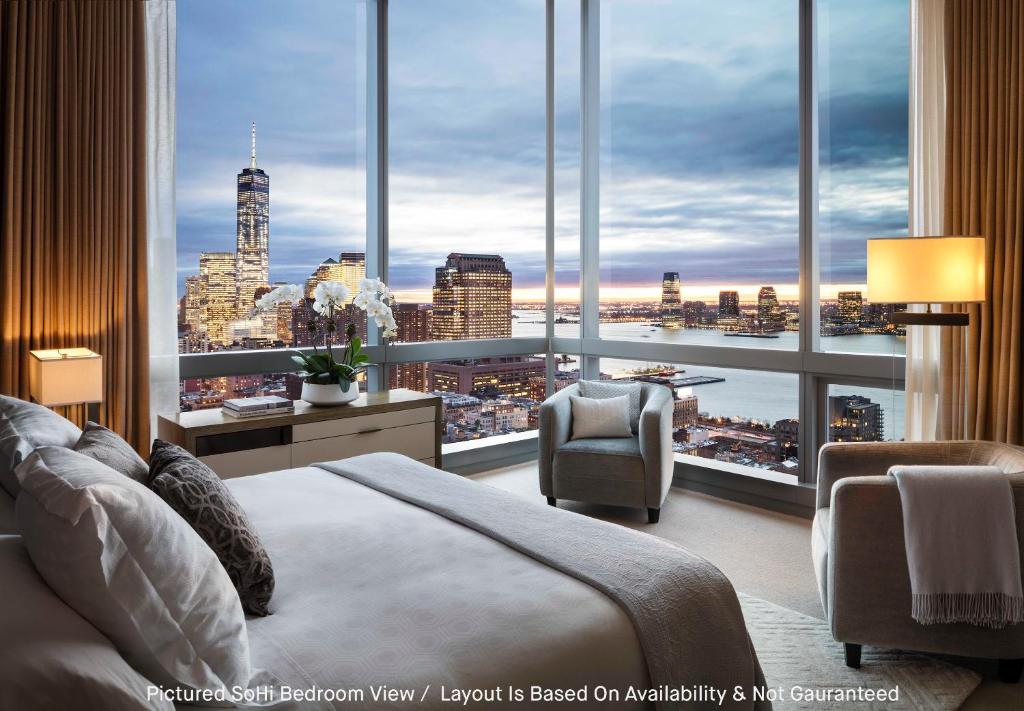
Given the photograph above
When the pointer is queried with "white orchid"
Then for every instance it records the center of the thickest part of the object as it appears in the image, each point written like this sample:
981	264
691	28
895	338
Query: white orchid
286	293
329	294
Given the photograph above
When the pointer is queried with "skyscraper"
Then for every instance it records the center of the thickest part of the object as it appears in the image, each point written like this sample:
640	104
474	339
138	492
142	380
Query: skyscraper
472	298
413	322
252	236
192	309
851	307
218	289
769	314
855	418
728	304
352	269
671	301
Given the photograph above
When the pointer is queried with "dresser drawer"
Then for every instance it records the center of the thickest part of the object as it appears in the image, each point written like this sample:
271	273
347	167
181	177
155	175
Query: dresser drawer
417	441
249	461
364	424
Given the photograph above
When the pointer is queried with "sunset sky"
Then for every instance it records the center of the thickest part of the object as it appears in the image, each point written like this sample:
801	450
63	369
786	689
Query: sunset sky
699	137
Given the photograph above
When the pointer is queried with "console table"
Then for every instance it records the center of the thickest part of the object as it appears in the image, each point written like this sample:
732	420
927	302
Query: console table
399	420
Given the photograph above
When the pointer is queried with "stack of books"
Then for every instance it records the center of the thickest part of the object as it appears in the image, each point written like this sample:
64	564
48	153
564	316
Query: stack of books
258	406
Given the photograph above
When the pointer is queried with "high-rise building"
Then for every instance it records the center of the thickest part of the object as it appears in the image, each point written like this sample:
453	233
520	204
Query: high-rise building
684	408
851	307
671	301
252	248
353	270
769	313
327	270
192	306
218	289
728	304
855	418
472	298
508	377
413	322
693	312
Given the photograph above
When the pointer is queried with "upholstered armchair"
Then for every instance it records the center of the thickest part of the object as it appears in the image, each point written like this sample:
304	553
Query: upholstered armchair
631	471
860	558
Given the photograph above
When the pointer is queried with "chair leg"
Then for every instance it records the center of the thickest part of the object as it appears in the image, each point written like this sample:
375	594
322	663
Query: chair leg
551	501
653	515
852	655
1010	670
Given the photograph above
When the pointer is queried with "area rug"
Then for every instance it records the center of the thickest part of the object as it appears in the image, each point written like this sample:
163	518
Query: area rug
802	663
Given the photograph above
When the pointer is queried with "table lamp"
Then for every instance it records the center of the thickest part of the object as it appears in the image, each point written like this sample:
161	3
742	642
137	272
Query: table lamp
927	270
68	376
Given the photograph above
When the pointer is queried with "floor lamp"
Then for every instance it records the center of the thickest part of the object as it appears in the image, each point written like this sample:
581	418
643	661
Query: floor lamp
927	270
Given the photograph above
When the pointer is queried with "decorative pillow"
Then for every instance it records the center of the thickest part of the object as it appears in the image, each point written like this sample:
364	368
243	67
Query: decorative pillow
51	658
32	426
106	446
199	496
601	389
14	449
122	559
606	417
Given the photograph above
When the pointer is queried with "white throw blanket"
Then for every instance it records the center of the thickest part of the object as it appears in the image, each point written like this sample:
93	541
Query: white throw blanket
960	530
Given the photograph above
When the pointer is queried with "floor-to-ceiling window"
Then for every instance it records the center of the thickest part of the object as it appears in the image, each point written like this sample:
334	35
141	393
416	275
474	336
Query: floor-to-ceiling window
559	189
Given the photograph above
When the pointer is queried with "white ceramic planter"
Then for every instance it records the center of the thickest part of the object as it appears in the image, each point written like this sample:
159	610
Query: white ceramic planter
328	395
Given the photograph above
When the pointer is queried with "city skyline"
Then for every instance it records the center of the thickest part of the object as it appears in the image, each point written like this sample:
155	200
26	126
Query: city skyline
436	172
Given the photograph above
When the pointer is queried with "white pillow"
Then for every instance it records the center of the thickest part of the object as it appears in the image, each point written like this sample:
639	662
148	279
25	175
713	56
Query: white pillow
600	389
52	658
604	417
125	561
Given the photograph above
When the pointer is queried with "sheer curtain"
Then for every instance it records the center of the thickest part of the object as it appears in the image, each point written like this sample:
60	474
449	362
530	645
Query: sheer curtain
927	182
163	288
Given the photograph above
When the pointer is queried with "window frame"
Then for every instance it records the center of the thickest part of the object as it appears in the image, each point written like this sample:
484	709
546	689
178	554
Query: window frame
816	369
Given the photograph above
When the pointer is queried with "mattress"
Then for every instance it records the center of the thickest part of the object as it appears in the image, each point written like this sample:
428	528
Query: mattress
371	590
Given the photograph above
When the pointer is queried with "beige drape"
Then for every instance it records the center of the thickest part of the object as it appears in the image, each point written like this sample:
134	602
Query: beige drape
72	196
984	195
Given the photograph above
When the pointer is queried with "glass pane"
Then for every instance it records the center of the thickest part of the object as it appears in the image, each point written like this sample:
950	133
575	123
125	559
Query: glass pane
270	171
859	414
466	165
741	420
699	191
567	169
863	58
483	397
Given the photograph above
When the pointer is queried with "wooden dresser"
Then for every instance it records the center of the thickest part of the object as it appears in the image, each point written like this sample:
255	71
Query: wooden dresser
402	421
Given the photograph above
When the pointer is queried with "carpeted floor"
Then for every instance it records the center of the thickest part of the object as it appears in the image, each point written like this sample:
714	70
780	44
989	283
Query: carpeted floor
765	554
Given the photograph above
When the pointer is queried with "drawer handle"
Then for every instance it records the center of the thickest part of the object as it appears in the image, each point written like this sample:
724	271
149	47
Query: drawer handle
370	431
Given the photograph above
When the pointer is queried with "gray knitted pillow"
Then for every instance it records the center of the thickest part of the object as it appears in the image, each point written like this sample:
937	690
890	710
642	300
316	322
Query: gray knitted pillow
199	496
107	447
601	389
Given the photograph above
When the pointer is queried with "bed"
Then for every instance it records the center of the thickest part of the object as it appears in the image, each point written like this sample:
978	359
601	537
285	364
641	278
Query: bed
392	575
375	588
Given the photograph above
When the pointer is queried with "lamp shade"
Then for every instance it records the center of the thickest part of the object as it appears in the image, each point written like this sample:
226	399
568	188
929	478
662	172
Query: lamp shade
926	270
65	377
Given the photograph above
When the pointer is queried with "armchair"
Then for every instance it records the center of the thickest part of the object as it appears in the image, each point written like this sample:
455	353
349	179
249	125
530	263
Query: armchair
629	471
860	558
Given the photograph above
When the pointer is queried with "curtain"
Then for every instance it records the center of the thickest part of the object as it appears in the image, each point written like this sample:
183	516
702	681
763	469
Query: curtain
163	286
73	197
927	129
984	195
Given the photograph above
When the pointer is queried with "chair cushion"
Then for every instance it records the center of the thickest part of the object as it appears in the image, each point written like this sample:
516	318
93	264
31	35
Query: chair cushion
125	561
614	446
106	446
29	426
600	389
52	658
